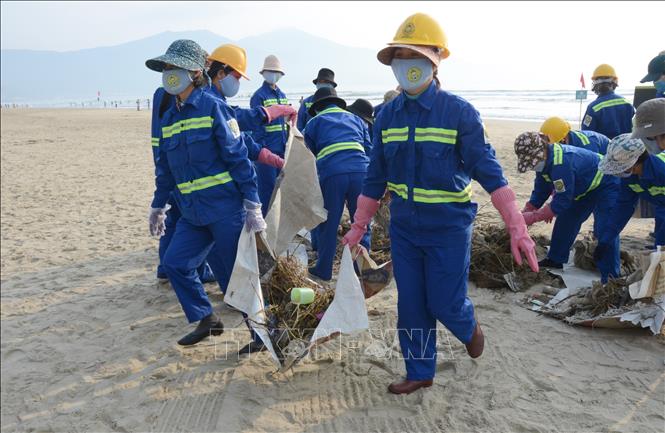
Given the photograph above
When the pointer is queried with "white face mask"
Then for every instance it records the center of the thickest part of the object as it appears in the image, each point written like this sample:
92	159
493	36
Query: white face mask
539	167
272	77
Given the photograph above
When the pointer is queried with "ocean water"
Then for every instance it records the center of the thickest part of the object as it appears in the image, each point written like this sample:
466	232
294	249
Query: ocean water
527	105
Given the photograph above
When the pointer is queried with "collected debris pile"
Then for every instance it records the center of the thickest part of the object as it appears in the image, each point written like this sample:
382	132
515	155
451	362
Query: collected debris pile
596	301
583	258
492	263
290	323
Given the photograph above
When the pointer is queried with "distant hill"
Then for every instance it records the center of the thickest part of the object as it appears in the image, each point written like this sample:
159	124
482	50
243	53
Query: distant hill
42	76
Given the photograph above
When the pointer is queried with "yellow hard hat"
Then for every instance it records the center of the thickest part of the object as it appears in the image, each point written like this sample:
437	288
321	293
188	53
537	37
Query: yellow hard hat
555	128
604	70
233	56
418	30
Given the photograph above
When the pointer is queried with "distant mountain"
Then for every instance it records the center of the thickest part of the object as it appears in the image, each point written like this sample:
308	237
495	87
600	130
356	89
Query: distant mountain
42	76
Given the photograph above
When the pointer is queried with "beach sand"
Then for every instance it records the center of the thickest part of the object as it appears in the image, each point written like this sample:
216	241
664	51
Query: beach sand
88	334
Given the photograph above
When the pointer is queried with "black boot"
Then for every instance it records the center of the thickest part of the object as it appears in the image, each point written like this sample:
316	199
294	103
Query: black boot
209	325
253	347
547	263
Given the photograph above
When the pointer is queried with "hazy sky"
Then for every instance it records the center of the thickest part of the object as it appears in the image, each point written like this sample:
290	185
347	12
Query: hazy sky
495	36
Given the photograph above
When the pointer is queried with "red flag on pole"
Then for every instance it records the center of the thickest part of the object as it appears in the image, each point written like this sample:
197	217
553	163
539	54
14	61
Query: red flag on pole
582	80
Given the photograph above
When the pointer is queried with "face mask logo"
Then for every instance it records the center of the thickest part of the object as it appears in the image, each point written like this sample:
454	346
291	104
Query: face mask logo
414	74
173	80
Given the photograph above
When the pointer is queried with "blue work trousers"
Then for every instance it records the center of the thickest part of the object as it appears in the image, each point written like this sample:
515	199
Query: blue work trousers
431	285
337	191
266	177
172	217
190	246
568	223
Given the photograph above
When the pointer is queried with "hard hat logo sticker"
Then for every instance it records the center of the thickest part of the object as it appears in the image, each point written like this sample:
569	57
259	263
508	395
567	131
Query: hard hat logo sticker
173	80
414	74
409	29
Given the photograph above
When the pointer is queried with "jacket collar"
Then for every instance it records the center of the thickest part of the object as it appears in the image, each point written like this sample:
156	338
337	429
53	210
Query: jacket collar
425	99
194	97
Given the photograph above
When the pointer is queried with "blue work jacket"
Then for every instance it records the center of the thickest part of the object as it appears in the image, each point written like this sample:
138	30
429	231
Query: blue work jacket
610	115
303	114
275	134
203	160
426	151
572	173
650	186
589	140
340	142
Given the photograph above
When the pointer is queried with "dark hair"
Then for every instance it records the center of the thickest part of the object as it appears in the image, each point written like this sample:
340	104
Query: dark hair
216	66
165	104
201	80
603	88
643	157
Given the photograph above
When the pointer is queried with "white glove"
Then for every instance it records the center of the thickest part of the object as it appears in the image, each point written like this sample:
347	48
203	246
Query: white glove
254	220
156	220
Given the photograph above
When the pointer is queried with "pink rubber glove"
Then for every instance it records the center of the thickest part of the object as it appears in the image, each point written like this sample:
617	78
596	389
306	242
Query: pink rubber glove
543	214
268	158
365	210
528	207
503	200
276	111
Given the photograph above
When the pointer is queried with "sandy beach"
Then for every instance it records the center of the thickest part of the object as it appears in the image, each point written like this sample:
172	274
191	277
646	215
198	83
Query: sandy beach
89	335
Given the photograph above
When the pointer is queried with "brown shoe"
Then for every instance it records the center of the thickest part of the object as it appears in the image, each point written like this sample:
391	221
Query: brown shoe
408	386
477	343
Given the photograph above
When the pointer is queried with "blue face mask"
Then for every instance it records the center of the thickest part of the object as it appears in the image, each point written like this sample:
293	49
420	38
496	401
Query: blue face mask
230	86
539	167
323	85
272	77
660	86
412	73
175	81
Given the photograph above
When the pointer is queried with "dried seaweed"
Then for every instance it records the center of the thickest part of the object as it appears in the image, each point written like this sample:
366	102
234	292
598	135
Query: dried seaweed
583	256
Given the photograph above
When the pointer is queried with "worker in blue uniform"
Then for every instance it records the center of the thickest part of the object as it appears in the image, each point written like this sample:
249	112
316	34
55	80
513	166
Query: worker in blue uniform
228	63
341	144
162	101
558	130
580	188
609	114
363	109
642	175
203	161
325	78
656	74
428	145
273	135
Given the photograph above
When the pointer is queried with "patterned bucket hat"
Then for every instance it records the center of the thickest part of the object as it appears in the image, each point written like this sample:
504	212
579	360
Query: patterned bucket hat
182	53
622	153
530	150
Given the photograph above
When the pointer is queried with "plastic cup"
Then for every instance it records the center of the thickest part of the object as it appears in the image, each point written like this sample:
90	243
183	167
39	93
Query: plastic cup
302	295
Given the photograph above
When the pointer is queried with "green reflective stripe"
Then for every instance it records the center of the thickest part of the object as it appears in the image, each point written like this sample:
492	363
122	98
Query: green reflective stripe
204	182
274	128
635	187
274	101
547	178
421	195
155	141
308	104
395	134
661	156
558	154
655	190
582	137
332	110
400	189
440	135
610	103
336	147
594	184
186	124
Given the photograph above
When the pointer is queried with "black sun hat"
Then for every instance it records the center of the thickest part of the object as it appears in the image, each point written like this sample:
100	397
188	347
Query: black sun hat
323	97
325	74
363	109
